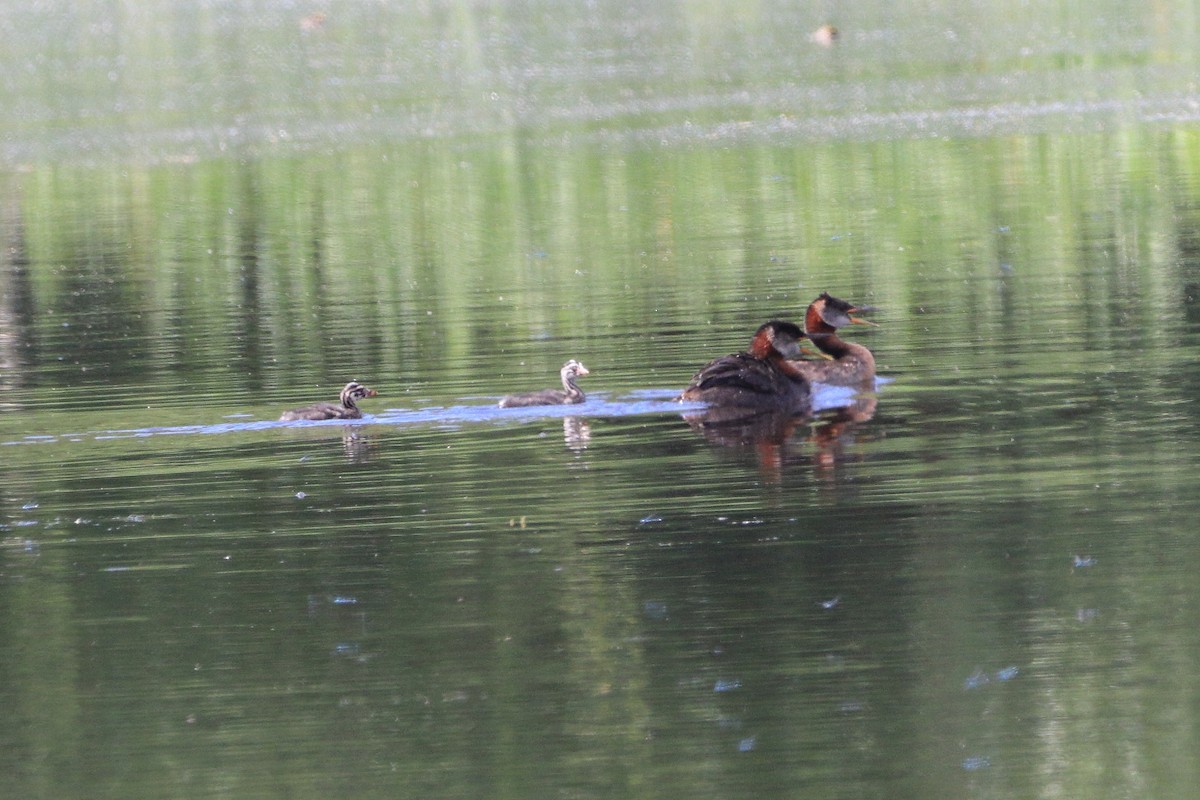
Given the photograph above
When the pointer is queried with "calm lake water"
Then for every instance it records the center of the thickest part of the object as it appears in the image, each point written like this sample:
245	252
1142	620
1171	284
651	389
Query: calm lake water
981	586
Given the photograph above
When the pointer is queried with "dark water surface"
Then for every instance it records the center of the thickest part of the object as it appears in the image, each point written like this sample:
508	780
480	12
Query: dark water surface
982	584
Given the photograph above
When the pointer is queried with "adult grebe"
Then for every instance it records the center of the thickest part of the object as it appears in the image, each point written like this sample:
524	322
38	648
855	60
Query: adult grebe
568	395
852	364
764	378
347	410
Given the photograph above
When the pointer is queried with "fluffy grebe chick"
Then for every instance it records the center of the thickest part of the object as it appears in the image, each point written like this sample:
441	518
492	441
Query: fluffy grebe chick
764	378
568	395
851	364
347	409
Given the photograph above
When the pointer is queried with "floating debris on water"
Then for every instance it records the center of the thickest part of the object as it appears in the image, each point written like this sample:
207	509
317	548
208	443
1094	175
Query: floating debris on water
654	609
976	679
979	678
826	35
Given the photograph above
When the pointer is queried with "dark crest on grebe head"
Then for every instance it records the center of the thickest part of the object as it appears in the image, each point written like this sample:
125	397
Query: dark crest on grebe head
779	327
777	335
835	311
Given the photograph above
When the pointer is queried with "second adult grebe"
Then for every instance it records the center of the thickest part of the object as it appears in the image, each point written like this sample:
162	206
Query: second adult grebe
851	364
763	378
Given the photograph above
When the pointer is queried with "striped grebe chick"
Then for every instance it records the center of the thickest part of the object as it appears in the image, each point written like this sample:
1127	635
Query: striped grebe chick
346	409
568	395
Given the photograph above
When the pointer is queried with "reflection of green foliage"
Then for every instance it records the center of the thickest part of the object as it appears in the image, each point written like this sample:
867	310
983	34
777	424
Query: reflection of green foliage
446	190
424	260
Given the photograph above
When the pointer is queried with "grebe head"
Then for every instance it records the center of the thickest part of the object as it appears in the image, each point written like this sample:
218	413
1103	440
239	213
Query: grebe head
573	369
829	312
356	391
777	336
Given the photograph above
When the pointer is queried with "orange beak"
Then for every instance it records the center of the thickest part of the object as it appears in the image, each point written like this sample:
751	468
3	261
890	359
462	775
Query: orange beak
859	320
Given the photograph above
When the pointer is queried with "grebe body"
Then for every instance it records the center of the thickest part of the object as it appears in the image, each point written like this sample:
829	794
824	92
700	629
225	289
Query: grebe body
763	378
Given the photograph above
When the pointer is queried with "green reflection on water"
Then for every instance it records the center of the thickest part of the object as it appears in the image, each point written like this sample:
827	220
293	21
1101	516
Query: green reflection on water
250	277
220	213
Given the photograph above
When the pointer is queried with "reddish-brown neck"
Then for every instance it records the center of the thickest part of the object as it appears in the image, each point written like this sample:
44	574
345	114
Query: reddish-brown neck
763	344
821	333
828	342
813	321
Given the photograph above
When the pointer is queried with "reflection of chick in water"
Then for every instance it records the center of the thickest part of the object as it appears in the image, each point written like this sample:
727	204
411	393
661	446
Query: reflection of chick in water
576	433
357	447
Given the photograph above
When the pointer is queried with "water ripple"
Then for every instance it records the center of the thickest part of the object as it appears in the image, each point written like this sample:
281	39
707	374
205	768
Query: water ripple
635	403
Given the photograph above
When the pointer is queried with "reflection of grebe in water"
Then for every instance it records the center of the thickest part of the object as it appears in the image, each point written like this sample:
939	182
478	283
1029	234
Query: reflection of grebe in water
569	394
781	440
851	364
347	409
764	378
